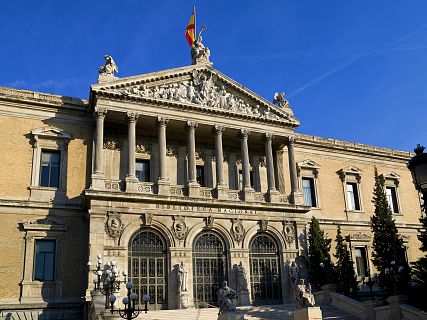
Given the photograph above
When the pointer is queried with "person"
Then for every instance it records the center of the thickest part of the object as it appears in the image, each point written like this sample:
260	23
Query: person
183	278
304	296
226	298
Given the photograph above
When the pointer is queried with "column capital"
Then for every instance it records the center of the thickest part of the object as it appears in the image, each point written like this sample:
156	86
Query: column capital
132	116
219	129
192	124
100	112
243	133
162	121
291	139
268	136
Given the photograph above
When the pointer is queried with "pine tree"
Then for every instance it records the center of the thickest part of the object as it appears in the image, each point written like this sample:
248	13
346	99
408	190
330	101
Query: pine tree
319	261
387	243
346	276
419	268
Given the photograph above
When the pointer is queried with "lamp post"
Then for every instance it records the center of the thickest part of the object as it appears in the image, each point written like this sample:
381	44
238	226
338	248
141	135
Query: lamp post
418	167
394	274
130	311
97	272
370	282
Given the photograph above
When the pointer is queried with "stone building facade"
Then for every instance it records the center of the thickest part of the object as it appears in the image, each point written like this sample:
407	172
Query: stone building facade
183	166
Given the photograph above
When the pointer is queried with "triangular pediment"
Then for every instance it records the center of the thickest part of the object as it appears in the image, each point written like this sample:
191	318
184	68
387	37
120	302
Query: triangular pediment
50	132
197	87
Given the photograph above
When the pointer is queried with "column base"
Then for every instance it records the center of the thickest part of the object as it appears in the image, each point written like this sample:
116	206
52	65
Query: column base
98	181
297	198
248	194
131	184
222	192
193	189
273	196
163	186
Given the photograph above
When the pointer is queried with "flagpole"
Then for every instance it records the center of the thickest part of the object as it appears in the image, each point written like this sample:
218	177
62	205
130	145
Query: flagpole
195	27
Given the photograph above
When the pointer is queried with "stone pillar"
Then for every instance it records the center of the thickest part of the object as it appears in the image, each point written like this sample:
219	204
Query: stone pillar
131	180
193	186
273	194
98	173
163	181
221	188
248	191
296	194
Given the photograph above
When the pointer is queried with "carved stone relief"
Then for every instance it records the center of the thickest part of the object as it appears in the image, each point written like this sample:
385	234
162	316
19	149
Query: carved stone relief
144	149
114	225
263	225
289	233
209	222
147	219
237	230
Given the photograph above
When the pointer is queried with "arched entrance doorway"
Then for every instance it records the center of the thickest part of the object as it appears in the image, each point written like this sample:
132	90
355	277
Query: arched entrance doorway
265	270
209	267
148	267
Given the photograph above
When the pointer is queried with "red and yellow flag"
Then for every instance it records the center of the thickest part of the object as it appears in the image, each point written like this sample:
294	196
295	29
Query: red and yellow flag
190	32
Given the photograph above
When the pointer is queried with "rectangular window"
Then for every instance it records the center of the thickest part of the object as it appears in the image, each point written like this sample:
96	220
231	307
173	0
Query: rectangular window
142	170
251	177
49	168
361	263
44	262
200	175
353	202
309	192
392	199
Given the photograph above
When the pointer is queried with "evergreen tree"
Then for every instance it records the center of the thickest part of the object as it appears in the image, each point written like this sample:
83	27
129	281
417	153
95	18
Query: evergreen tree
346	276
319	261
419	268
387	243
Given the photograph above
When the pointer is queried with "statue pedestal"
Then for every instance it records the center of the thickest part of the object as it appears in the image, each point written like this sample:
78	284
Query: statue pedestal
311	313
244	298
232	315
184	300
107	315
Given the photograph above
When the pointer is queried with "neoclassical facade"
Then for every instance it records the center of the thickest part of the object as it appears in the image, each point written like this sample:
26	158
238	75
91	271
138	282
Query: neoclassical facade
183	167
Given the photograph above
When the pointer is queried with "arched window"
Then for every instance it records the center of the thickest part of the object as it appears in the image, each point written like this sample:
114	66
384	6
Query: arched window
148	267
264	261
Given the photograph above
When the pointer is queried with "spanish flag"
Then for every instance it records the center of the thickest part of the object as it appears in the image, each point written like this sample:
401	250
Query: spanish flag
190	32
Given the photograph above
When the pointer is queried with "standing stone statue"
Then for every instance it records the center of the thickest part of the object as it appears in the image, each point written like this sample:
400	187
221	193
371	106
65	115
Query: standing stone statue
303	295
293	275
199	53
241	278
183	278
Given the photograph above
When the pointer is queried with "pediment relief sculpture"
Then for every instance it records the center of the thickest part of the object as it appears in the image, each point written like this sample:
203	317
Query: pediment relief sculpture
204	87
43	224
308	165
359	236
49	133
350	170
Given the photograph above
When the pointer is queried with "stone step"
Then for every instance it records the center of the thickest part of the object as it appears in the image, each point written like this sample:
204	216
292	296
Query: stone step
46	314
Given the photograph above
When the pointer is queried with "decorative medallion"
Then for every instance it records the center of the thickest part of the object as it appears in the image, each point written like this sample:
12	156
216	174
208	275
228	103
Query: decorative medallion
179	228
263	225
209	222
114	226
289	233
237	230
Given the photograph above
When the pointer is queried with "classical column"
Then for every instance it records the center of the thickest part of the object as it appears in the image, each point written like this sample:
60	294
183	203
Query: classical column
100	114
163	181
221	188
193	186
296	195
247	189
131	180
272	192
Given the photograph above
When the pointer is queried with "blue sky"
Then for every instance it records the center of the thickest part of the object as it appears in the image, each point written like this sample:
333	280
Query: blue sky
354	70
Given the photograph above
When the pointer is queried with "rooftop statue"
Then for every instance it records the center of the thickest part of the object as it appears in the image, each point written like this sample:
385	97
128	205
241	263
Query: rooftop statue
199	53
280	101
107	71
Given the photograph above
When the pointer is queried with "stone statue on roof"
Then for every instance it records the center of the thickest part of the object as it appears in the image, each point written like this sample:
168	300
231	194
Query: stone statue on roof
107	71
200	53
280	101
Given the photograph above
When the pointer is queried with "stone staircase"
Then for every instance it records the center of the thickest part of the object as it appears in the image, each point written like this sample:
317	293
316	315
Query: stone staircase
46	314
274	312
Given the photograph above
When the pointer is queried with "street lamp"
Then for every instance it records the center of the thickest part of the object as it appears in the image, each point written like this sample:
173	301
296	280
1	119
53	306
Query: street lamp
418	167
97	272
394	274
129	312
370	282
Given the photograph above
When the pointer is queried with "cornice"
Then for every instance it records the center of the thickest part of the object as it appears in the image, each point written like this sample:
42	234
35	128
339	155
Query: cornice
352	147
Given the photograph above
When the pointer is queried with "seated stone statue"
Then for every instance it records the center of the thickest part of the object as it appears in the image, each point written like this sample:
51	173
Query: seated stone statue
227	299
303	295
